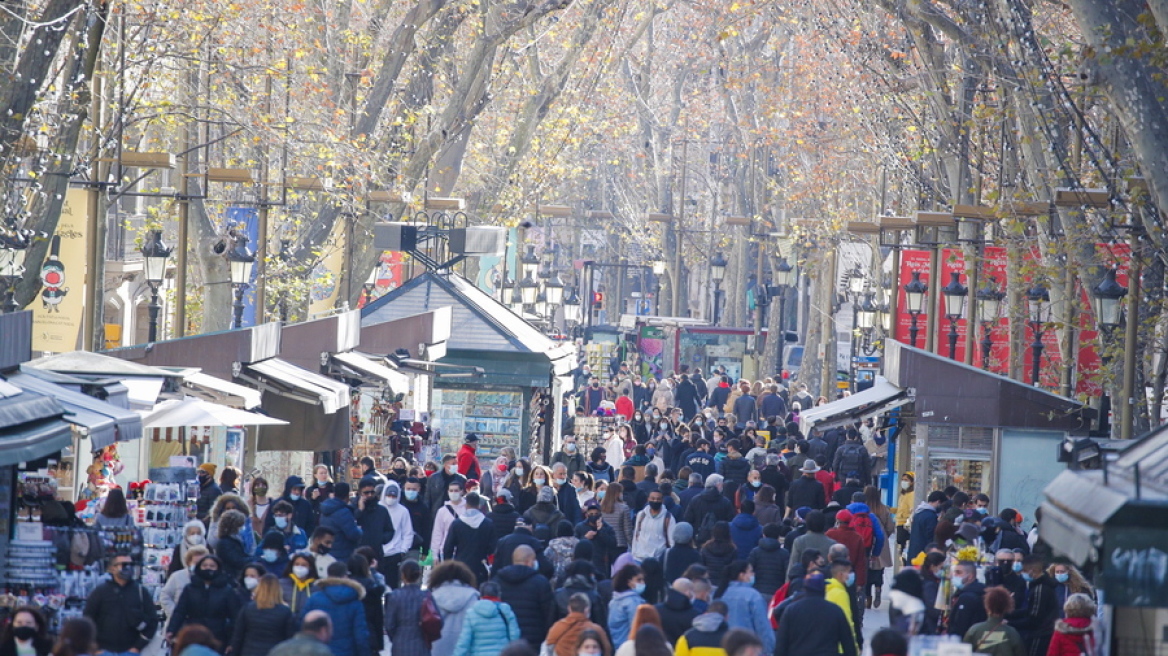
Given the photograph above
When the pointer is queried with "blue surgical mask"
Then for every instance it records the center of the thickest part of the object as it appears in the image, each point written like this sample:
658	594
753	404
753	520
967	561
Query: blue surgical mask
271	555
850	582
1017	567
639	588
958	584
600	495
294	497
756	483
982	510
1026	577
1062	577
281	522
411	495
750	581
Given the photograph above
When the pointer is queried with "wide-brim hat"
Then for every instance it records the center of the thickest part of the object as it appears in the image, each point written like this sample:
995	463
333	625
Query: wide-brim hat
809	467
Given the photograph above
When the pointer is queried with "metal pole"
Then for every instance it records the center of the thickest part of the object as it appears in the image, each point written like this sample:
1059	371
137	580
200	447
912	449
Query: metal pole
1128	399
987	343
154	309
1036	327
853	366
953	338
261	248
894	295
931	300
238	306
93	231
782	336
913	329
677	233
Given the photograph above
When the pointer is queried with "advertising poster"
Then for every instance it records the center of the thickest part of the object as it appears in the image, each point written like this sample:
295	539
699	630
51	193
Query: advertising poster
57	319
952	261
326	275
910	261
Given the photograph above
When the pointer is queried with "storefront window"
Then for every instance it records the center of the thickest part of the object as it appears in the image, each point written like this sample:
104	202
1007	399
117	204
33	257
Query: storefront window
496	416
970	474
709	350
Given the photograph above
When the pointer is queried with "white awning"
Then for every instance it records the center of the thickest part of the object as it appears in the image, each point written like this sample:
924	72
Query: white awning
370	367
197	412
102	422
211	388
881	397
275	373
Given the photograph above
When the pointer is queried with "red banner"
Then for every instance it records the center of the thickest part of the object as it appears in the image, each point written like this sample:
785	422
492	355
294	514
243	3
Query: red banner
952	261
910	261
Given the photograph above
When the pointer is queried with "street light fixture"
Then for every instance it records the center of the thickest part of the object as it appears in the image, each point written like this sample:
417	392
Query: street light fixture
155	254
572	306
516	301
955	294
541	304
989	305
554	288
1038	303
914	301
856	281
241	261
528	290
12	247
1107	301
658	267
529	263
718	266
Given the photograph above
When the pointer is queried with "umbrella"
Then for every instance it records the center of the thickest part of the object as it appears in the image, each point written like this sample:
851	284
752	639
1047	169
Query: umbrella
196	412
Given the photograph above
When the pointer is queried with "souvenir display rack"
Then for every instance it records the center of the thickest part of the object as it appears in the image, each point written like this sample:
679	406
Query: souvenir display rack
162	515
496	416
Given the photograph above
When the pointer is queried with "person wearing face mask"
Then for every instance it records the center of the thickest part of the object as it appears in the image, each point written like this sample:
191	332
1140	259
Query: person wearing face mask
303	514
449	512
467	458
321	488
296	583
1006	572
1010	536
194	535
178	580
249	581
746	607
295	539
627	587
399	471
598	466
336	514
1035	621
210	600
259	503
569	455
591	397
273	553
1068	581
968	606
208	490
565	493
438	484
420	519
27	634
652	528
402	527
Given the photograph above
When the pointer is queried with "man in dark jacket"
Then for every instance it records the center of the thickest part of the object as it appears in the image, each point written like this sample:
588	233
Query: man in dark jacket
420	517
682	554
336	515
570	455
303	515
968	606
852	456
439	482
529	594
924	523
677	612
719	396
806	490
566	499
341	598
701	461
471	539
813	626
769	561
642	397
744	408
735	467
1035	622
708	508
602	536
316	631
770	404
521	536
503	514
580	578
692	490
685	396
208	490
816	446
647	485
1009	535
122	610
775	475
372	517
210	600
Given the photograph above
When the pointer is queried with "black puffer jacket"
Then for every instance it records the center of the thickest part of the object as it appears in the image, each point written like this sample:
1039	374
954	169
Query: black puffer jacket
709	502
716	556
677	615
257	631
376	526
598	611
769	560
215	605
530	596
735	468
117	610
503	516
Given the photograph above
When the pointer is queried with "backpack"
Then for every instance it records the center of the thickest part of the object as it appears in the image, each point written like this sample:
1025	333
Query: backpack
706	528
431	622
851	459
780	597
862	524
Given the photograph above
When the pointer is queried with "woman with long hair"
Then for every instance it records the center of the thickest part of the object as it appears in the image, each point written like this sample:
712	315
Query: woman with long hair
249	580
1068	581
592	643
747	608
260	503
195	640
878	564
360	572
452	586
264	622
627	587
517	481
224	504
78	637
645	616
719	552
232	548
615	512
540	477
114	512
321	488
296	584
399	470
27	634
229	480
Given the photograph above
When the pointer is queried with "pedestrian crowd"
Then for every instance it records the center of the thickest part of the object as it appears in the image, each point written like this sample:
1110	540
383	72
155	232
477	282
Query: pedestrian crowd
707	525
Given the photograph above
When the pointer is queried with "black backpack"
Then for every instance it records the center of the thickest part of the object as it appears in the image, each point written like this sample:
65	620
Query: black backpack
851	459
706	528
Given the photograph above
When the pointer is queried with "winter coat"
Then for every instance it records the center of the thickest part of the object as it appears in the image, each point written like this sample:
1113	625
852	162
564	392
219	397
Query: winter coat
745	409
117	610
503	518
601	471
341	599
1073	636
686	398
374	611
848	537
175	584
303	645
663	401
924	524
604	549
771	405
678	558
303	513
468	463
769	561
401	525
621	522
620	614
505	547
806	491
447	515
403	618
215	605
547	514
994	637
883	518
296	592
745	532
585	585
574	462
338	516
565	634
814	626
530	596
677	615
376	526
705	638
967	608
434	492
735	468
716	556
258	631
234	555
489	626
453	600
1036	621
817	541
207	495
471	541
767	513
748	610
568	504
709	502
41	646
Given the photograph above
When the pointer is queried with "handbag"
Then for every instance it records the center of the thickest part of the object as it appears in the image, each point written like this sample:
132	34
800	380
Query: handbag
431	621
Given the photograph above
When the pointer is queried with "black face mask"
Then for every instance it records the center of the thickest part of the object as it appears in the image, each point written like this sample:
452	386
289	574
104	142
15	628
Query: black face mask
656	505
25	633
322	550
399	472
207	574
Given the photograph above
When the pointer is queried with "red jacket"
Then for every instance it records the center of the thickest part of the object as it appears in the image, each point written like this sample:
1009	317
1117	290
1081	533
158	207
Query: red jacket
1073	636
848	537
624	406
828	480
468	463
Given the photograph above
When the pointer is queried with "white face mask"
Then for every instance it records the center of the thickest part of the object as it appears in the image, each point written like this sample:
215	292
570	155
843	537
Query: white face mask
391	501
251	582
904	485
451	470
540	481
195	540
454	496
301	571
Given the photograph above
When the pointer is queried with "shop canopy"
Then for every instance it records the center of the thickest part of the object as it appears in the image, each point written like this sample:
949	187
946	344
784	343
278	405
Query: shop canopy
210	388
102	422
143	382
30	425
881	397
286	379
370	369
196	412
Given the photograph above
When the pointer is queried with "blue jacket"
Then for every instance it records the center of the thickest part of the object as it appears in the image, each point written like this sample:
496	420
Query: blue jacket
878	537
341	599
489	626
924	525
337	515
303	514
620	615
745	532
748	610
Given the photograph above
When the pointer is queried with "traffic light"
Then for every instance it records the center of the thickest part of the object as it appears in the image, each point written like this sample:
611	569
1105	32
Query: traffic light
598	299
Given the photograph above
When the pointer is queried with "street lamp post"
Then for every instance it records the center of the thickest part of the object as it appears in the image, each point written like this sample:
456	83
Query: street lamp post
1038	302
155	254
784	279
856	285
529	264
718	266
1107	301
241	260
914	300
989	303
516	300
572	306
658	271
955	294
12	247
867	319
528	290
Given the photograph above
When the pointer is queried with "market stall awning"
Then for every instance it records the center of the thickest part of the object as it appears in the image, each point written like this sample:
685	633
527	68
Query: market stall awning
286	379
196	412
211	388
881	397
369	369
103	422
30	425
1074	513
143	382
